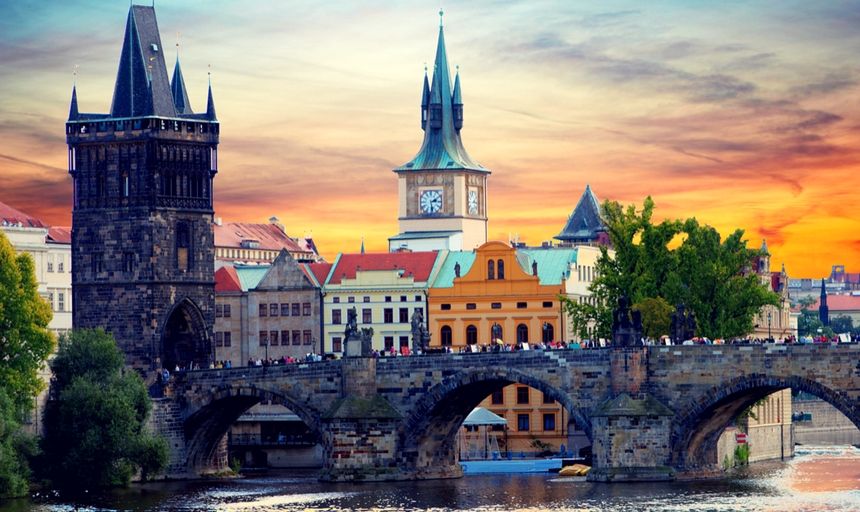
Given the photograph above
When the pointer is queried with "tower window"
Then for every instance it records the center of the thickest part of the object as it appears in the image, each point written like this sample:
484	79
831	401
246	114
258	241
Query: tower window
125	185
128	262
491	269
183	246
500	268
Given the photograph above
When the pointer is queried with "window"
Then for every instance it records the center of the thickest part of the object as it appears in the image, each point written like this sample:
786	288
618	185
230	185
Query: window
264	338
50	263
498	397
404	315
60	263
61	301
273	310
50	299
388	315
403	298
306	309
523	422
388	298
500	269
336	344
420	310
548	399
306	337
125	187
366	299
285	309
219	310
499	334
389	342
97	262
263	310
335	316
522	333
418	298
445	307
336	300
446	336
350	299
227	311
549	421
183	246
471	305
367	316
496	305
273	338
404	341
491	269
219	339
295	308
522	395
471	335
547	304
548	332
297	337
228	339
522	305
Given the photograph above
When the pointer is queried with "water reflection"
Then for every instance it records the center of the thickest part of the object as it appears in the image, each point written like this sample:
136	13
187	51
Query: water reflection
825	479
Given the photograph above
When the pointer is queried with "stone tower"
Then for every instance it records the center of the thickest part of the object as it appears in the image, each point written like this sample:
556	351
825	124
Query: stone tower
823	310
442	191
142	240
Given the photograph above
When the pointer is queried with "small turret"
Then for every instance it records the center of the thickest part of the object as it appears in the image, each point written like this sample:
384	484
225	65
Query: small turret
73	108
457	103
177	87
210	104
425	100
823	310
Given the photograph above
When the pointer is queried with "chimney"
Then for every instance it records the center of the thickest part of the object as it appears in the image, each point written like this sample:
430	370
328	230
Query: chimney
275	222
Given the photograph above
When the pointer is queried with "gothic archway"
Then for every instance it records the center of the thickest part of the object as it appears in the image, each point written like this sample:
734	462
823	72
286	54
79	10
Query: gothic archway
185	338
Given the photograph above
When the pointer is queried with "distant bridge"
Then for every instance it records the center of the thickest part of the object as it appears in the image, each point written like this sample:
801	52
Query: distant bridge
651	412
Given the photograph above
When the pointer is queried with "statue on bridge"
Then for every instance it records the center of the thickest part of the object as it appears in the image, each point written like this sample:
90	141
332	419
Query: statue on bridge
420	335
683	325
356	343
626	325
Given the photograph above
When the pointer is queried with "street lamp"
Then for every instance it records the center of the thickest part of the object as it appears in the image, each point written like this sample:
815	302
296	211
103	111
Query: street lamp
768	324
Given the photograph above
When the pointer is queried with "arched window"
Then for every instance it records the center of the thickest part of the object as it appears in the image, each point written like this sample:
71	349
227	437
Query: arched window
500	268
522	333
491	269
471	335
548	332
446	336
499	333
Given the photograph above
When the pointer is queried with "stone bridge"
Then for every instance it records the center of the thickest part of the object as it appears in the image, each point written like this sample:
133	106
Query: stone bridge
652	413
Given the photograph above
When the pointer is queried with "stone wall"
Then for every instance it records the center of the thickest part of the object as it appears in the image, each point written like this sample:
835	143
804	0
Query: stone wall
827	427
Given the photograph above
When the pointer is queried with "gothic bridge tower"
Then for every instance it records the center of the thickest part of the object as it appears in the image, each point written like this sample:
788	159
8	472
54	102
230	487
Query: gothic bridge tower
142	239
442	191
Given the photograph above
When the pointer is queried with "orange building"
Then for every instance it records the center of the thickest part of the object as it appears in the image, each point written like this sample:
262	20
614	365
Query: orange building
492	287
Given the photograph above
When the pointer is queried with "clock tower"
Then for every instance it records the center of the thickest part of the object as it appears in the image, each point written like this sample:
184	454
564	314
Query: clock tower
442	191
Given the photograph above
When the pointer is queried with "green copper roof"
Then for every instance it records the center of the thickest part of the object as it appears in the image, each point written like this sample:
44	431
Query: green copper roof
250	275
445	278
552	263
442	147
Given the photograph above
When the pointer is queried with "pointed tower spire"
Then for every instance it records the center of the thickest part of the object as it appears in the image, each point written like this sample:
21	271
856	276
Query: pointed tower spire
764	250
73	108
210	103
457	103
823	310
177	88
362	245
425	99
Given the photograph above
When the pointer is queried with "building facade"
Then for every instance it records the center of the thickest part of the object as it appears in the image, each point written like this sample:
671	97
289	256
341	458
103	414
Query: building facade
142	242
267	311
773	321
386	290
246	243
442	191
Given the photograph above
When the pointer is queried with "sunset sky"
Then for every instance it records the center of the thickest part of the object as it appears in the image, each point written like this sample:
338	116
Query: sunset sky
742	115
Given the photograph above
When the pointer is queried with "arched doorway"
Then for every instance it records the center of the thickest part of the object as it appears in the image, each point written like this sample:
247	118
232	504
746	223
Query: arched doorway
447	336
471	335
522	333
184	338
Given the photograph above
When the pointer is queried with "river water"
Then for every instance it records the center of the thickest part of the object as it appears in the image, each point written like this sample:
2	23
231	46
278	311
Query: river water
817	479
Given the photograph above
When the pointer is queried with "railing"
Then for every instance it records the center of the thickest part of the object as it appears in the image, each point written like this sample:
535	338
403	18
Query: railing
287	441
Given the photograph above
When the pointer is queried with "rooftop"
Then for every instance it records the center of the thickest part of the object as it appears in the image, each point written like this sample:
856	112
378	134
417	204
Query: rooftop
417	265
11	217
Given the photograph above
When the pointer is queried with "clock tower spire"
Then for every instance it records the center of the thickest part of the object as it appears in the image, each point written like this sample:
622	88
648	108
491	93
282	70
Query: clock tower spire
442	190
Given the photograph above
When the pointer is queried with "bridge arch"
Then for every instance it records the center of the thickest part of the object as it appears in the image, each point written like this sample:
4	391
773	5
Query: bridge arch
218	408
428	433
700	422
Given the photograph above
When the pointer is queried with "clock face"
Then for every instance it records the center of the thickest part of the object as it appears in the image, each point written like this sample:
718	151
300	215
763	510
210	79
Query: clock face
431	201
473	202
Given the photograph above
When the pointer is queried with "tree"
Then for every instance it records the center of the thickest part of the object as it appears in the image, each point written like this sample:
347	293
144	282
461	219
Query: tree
25	344
842	324
656	316
95	432
678	261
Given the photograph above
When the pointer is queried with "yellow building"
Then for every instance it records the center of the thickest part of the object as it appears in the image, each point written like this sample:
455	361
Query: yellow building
773	321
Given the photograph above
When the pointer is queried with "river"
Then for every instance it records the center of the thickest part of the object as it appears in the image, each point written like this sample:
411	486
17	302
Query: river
817	479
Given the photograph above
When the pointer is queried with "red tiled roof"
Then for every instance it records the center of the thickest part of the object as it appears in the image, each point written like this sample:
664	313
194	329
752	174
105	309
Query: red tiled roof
59	235
415	264
320	271
227	280
9	215
269	236
839	303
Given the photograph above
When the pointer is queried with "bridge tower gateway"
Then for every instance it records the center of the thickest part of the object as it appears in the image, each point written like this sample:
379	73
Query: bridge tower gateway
142	239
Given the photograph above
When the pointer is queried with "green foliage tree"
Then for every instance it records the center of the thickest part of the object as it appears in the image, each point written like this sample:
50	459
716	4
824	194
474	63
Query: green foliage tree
656	316
842	324
95	434
808	323
679	262
25	344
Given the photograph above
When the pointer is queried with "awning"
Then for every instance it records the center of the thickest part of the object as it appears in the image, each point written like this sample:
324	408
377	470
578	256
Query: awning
481	416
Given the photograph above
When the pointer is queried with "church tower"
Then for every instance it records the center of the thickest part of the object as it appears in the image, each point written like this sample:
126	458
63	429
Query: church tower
142	240
442	192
